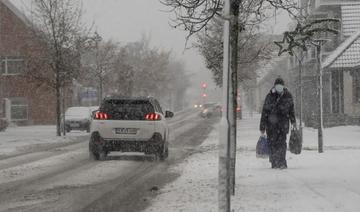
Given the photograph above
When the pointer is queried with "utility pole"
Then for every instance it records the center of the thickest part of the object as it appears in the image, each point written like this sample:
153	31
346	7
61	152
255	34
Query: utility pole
320	118
318	43
300	60
301	94
234	36
224	192
2	99
63	110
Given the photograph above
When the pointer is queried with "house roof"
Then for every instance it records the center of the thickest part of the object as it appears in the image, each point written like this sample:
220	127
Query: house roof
17	12
346	55
350	18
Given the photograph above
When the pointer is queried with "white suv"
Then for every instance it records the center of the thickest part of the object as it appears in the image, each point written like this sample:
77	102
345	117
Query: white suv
129	125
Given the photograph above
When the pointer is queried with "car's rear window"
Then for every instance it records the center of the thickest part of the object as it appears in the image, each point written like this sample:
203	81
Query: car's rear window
127	109
83	112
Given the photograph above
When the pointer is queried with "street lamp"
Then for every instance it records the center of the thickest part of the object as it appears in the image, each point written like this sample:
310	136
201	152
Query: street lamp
300	37
224	175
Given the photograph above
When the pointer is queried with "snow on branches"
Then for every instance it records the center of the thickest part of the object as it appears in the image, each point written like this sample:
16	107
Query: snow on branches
195	15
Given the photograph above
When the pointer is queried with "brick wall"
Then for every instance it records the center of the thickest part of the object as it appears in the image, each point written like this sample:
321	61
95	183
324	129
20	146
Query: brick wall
16	39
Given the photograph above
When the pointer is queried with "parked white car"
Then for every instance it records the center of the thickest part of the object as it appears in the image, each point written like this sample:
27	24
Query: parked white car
94	108
78	118
130	125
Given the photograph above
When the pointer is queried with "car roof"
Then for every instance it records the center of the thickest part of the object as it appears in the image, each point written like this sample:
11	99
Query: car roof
78	108
209	104
129	98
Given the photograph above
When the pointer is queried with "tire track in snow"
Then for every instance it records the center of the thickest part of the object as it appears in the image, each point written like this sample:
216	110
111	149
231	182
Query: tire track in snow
46	151
31	157
133	195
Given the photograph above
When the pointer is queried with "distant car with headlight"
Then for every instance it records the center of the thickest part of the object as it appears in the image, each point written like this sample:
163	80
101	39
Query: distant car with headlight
210	109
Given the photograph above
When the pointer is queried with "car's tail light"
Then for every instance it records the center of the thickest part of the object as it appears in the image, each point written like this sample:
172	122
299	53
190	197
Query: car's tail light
152	117
101	115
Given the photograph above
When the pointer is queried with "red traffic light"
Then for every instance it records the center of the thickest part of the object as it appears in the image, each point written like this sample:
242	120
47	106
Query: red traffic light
204	95
204	85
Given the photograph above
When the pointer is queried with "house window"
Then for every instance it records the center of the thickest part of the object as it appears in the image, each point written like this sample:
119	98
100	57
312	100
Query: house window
19	109
11	65
356	87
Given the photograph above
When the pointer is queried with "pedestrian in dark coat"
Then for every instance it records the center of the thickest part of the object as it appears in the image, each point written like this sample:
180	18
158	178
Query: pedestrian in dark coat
277	111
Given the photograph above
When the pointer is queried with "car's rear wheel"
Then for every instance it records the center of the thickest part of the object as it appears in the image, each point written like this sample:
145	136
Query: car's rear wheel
102	155
96	150
93	155
164	154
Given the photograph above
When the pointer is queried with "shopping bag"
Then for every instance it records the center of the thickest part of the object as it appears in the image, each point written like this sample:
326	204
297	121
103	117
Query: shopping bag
262	148
295	144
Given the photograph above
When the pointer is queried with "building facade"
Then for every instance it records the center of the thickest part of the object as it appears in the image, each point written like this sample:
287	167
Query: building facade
340	62
22	101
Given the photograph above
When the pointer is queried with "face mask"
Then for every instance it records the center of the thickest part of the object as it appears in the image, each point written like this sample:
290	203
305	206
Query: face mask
279	88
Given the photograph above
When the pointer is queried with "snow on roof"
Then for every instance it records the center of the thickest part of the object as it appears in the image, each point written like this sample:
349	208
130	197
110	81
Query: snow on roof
17	12
350	18
350	58
347	54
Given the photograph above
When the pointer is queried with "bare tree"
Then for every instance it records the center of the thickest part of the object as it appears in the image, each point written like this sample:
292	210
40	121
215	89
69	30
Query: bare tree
123	74
148	67
194	15
256	45
142	70
99	62
57	25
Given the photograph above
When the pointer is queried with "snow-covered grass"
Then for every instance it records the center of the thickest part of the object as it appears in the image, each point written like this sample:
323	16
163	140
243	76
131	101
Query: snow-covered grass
16	140
313	182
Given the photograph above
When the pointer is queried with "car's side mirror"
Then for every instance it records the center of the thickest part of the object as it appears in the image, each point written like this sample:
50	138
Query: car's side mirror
93	113
169	114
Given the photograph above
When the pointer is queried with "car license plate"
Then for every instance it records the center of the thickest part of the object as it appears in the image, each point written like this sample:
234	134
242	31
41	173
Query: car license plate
74	125
125	130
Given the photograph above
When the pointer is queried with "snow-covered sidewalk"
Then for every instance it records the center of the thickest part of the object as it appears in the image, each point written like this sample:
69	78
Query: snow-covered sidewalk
16	140
314	182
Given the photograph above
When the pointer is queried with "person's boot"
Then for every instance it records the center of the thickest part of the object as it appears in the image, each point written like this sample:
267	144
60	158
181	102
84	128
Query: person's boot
283	165
274	165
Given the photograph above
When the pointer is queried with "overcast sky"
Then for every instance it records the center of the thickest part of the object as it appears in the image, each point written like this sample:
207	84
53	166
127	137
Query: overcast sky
127	20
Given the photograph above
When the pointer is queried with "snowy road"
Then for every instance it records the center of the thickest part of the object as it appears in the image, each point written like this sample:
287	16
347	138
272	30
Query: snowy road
60	177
